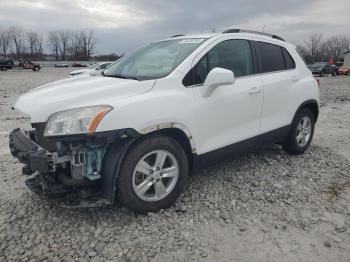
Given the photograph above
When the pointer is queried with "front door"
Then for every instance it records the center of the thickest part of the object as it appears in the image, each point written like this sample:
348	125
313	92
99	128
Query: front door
231	113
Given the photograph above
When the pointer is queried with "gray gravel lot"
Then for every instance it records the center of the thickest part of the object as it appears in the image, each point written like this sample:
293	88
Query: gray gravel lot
263	206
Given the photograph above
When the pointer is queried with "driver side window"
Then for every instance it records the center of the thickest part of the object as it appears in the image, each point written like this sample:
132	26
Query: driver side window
234	55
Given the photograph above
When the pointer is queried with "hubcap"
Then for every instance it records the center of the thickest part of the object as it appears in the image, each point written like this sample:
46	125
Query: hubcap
304	130
155	175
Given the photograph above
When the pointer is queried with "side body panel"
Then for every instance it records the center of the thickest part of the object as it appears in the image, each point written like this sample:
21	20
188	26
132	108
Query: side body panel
285	91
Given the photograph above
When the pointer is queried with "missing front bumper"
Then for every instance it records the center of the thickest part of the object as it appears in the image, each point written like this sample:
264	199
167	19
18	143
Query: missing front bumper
51	172
34	157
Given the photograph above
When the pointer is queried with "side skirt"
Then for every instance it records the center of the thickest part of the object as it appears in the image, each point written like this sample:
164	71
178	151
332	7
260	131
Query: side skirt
275	136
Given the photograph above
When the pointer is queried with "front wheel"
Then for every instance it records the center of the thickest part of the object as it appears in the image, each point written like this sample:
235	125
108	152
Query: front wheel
301	133
153	174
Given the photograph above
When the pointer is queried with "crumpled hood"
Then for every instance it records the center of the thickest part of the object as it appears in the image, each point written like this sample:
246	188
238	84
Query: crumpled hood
41	102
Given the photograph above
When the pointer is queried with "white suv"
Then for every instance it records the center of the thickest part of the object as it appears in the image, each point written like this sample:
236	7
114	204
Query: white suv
136	132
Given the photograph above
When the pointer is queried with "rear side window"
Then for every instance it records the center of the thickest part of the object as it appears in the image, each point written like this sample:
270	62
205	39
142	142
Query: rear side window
234	55
271	57
290	64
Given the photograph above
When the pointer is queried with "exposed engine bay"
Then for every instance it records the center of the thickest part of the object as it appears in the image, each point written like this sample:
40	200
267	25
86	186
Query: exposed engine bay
62	166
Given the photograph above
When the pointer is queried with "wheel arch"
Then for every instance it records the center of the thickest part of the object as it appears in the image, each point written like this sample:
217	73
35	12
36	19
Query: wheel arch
117	152
177	131
312	105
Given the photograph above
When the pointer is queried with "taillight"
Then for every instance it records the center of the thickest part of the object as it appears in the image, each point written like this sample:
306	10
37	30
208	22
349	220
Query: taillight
318	82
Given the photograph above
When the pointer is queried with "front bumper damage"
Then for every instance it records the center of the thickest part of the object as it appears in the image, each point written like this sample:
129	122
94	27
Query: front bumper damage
72	170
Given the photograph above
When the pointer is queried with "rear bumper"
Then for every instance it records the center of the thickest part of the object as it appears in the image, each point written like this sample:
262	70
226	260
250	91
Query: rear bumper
34	157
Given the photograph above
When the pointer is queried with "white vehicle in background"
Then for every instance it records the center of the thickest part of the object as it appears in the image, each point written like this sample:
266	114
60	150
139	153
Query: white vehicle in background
93	70
136	132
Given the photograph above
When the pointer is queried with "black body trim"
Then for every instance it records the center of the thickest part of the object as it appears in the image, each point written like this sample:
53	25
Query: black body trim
28	153
275	136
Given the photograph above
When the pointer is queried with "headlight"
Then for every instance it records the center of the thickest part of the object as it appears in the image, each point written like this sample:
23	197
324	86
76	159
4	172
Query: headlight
82	120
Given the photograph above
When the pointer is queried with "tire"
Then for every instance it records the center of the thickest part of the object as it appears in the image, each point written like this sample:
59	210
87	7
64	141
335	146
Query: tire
152	197
4	69
292	144
322	74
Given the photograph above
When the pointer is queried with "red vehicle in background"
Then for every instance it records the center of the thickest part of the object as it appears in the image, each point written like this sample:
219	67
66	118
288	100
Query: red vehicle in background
22	64
344	70
29	65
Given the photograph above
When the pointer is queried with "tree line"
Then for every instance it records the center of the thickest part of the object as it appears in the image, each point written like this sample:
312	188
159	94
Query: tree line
17	43
320	49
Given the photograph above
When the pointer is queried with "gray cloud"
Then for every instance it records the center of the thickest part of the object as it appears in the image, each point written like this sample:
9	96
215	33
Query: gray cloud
125	24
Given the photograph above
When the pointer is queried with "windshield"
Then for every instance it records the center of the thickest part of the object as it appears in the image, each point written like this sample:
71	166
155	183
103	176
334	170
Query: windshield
153	61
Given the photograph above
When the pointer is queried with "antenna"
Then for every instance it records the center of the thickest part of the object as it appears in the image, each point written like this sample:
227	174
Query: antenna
263	29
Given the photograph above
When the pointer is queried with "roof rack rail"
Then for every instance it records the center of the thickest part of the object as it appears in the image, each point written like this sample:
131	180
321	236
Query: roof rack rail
230	31
177	36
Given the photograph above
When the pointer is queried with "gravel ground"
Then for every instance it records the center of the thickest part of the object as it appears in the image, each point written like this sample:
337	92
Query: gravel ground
263	206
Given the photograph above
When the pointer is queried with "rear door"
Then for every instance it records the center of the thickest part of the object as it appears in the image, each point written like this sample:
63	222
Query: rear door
278	74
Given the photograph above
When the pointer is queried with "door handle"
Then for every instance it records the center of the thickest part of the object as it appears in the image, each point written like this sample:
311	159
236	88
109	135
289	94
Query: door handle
254	90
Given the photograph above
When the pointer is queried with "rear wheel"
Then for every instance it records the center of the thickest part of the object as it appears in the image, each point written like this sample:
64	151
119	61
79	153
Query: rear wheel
153	174
301	133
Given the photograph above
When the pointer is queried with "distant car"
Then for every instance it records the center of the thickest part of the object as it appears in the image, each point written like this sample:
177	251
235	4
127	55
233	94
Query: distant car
61	65
29	65
95	69
322	69
26	64
6	64
78	65
344	70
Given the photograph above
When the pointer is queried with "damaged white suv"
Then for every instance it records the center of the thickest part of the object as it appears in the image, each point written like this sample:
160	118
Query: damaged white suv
135	133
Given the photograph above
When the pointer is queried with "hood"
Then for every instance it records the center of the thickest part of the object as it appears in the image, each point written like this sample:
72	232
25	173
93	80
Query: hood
80	71
41	102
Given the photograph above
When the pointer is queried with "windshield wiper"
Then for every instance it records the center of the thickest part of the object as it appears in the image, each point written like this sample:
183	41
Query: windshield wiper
123	77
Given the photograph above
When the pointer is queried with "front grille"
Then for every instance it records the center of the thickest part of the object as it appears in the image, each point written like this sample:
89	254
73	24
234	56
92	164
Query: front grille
41	140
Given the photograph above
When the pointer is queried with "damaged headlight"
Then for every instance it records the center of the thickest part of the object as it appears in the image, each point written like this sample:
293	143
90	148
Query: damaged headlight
82	120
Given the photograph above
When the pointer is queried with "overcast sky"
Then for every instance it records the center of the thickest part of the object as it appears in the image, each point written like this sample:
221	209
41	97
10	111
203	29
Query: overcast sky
122	25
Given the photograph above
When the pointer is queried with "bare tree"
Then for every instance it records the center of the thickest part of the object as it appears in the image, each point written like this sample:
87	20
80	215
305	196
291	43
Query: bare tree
54	44
336	46
314	45
64	38
74	49
87	42
18	39
35	44
5	41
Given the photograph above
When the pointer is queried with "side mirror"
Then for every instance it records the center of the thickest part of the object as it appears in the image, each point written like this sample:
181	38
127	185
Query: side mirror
218	77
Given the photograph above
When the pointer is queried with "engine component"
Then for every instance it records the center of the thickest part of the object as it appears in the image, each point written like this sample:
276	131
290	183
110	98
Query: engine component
87	162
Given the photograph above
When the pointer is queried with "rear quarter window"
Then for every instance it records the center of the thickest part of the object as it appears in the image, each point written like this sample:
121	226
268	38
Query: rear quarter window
290	64
271	57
